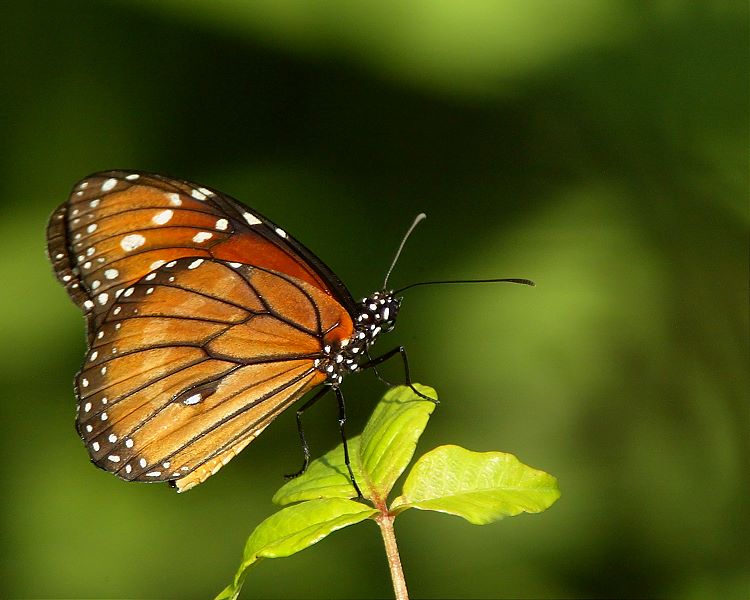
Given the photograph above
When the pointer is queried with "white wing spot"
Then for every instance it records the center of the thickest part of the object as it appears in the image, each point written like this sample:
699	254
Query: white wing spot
94	354
67	278
104	416
205	191
103	297
59	255
197	195
132	176
111	273
128	468
89	428
155	265
251	219
91	228
114	458
221	225
163	217
94	203
95	446
129	443
90	250
87	408
150	291
281	232
103	372
174	199
85	382
96	283
117	311
194	399
87	265
142	462
196	263
128	292
150	277
100	335
104	399
112	438
132	241
84	185
235	265
202	236
109	184
153	474
171	264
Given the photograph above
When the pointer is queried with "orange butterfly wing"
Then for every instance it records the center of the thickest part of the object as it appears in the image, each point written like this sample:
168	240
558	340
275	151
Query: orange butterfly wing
191	355
193	361
118	226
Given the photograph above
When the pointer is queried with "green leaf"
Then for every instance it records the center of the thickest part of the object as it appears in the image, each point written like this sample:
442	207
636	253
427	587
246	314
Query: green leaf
481	487
326	477
390	437
377	457
293	529
232	591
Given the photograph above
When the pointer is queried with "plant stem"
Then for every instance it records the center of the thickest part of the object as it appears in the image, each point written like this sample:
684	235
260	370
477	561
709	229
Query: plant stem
385	522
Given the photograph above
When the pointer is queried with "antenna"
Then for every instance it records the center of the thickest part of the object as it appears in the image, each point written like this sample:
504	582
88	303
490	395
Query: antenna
505	280
419	217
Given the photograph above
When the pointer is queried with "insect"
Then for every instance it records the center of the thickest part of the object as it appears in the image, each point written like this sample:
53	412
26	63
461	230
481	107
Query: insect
204	321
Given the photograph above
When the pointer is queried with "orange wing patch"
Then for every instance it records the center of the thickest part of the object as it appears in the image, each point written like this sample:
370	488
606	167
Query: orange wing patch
193	361
117	227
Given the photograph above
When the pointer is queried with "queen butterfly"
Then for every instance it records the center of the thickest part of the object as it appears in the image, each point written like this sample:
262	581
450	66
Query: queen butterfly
204	321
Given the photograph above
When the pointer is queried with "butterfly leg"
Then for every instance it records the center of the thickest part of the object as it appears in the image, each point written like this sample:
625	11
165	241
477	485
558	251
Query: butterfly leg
342	421
301	431
374	362
375	370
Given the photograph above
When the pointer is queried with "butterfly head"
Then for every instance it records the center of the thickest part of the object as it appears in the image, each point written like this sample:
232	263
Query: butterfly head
377	313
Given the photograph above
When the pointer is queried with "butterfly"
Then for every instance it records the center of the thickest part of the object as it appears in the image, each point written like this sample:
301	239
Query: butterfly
204	321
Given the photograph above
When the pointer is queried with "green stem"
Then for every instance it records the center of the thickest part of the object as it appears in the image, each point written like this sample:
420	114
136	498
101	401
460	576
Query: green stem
385	522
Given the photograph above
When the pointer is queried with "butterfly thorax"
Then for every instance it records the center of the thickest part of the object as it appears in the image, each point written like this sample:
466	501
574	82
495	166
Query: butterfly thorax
376	314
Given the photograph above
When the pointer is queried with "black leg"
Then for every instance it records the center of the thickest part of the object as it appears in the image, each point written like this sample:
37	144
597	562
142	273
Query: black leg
342	421
301	431
374	362
377	373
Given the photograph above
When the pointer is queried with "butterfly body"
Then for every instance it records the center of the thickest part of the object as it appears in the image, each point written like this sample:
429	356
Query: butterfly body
205	320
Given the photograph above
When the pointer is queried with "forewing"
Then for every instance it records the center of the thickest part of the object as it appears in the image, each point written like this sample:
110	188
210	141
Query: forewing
118	226
193	361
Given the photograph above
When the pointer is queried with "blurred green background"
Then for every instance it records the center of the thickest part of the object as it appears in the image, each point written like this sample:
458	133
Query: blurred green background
598	147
